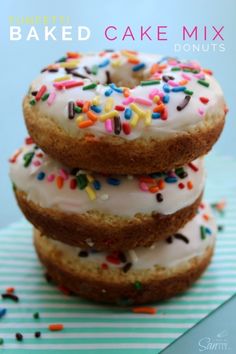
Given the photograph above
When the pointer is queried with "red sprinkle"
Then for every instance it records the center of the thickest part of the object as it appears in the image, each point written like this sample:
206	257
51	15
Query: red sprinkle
29	141
126	128
204	100
120	108
56	327
73	183
10	290
104	266
113	259
41	92
193	167
181	185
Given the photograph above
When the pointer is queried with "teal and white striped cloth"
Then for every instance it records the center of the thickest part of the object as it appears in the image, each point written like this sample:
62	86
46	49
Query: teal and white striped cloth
91	328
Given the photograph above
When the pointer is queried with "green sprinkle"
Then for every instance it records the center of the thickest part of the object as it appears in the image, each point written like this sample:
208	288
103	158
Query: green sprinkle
195	71
138	285
203	232
77	109
175	69
36	315
32	102
61	60
179	170
94	70
28	158
1	341
203	83
188	92
90	87
45	97
82	181
150	82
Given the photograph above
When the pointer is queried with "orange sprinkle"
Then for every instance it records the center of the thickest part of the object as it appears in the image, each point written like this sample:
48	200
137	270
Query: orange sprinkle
206	217
154	69
126	92
190	185
56	327
153	189
72	55
134	52
60	182
115	56
183	82
90	137
86	124
86	106
160	108
147	180
92	116
10	290
133	61
161	184
148	310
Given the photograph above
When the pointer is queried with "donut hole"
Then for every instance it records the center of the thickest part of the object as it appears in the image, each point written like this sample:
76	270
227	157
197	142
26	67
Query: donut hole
123	78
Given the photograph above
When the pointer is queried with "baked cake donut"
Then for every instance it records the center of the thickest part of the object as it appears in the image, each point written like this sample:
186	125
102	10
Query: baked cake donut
124	112
137	276
87	209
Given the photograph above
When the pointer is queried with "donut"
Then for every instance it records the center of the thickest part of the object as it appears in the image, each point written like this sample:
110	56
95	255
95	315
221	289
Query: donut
137	276
83	208
124	112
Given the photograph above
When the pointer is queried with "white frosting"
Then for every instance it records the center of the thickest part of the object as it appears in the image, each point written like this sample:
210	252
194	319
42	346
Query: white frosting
177	121
161	253
126	199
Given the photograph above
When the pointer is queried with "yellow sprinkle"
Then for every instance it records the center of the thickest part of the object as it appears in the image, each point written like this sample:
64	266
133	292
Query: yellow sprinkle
116	63
70	64
148	118
90	178
62	78
109	115
96	100
91	193
129	55
134	120
156	99
79	118
137	110
109	104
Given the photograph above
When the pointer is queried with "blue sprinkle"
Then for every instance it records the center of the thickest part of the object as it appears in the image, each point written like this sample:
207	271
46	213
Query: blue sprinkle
156	115
128	113
113	181
170	179
178	89
162	59
115	88
139	67
166	88
208	231
96	109
104	63
3	311
40	176
108	92
97	185
166	99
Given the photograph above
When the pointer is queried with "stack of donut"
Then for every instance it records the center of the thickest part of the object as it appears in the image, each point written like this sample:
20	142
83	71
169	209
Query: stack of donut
112	175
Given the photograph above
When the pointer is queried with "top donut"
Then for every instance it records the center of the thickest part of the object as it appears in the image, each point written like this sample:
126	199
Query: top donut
124	112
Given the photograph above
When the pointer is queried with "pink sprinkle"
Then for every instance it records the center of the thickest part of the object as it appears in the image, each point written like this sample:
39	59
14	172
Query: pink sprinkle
51	177
36	163
200	76
153	93
51	98
185	76
201	111
108	125
172	62
128	100
143	186
172	83
64	174
143	101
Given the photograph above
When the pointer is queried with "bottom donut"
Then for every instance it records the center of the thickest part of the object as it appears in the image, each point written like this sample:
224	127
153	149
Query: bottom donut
138	276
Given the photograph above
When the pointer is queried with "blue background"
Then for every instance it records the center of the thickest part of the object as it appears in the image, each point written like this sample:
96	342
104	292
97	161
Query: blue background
21	61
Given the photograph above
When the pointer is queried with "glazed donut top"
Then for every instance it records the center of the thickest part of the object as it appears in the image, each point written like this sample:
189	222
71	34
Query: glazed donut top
126	94
51	185
191	241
